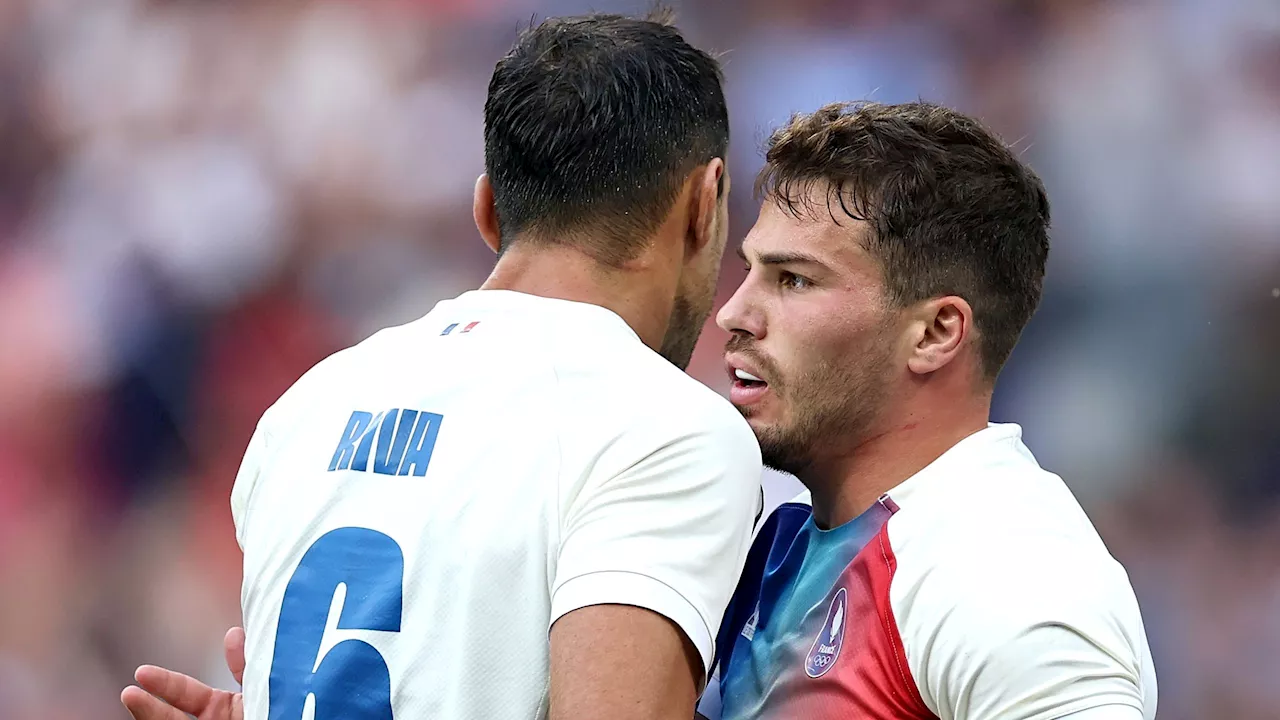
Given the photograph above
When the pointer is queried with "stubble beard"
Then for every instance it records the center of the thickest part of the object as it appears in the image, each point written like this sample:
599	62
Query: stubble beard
829	411
683	330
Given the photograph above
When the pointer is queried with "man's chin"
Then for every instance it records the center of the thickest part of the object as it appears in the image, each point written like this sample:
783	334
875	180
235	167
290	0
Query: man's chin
781	452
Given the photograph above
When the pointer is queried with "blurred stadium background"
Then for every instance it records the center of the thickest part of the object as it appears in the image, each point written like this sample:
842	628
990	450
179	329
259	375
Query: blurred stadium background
200	199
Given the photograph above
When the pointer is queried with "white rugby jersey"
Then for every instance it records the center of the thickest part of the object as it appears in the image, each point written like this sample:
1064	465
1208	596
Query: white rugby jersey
417	510
976	590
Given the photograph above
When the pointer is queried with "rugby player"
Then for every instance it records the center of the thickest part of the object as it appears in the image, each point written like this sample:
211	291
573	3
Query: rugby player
518	505
933	569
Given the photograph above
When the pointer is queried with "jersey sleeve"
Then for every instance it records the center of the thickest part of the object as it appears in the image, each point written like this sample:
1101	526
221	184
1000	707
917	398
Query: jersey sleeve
1026	638
1107	712
669	531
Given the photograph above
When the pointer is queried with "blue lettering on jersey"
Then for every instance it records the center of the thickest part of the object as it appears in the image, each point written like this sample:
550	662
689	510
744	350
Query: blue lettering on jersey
356	428
351	681
405	439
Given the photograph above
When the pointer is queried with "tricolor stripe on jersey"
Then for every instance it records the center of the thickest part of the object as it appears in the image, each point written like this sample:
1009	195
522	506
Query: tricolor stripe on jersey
810	632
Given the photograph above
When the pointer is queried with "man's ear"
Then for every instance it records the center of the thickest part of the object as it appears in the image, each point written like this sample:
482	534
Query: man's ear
485	213
704	205
942	326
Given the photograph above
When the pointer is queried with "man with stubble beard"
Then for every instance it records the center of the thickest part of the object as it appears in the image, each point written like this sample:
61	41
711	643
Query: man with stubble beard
933	569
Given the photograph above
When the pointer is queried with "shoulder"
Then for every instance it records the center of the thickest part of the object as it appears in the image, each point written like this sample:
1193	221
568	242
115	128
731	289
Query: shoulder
689	407
629	398
624	366
1009	551
1015	620
1003	587
1006	597
991	501
335	374
691	419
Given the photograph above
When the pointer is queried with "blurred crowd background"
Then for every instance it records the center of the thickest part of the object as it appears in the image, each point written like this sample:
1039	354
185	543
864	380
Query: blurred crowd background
199	199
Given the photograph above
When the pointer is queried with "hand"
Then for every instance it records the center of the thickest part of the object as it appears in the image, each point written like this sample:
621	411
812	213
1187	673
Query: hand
167	695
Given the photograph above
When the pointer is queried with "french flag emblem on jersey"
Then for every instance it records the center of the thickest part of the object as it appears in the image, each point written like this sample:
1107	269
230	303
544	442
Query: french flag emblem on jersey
826	647
468	328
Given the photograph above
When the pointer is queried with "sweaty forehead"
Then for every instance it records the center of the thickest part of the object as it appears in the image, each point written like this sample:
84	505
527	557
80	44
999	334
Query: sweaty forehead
779	234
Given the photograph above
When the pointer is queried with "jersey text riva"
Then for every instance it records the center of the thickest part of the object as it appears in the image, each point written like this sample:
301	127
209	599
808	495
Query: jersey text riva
405	440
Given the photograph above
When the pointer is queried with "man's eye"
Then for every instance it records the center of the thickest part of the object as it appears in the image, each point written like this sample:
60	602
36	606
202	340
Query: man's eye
792	281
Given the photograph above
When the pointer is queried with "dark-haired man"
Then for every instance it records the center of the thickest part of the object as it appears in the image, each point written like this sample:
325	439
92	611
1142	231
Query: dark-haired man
420	510
933	569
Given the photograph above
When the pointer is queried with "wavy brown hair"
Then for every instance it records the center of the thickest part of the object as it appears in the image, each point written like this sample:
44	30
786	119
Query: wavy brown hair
950	208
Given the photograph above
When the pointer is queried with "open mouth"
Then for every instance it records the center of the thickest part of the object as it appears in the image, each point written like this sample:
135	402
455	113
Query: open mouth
746	379
746	387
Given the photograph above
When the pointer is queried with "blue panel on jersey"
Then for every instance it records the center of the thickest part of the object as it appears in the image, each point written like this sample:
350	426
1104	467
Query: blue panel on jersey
352	680
782	611
767	554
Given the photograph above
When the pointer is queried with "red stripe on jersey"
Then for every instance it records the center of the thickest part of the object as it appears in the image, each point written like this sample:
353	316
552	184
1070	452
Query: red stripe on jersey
871	679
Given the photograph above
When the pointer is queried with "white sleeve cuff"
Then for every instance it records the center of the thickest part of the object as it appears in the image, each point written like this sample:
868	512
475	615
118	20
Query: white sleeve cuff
1122	709
617	587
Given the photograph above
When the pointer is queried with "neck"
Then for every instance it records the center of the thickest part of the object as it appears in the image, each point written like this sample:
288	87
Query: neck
844	486
642	292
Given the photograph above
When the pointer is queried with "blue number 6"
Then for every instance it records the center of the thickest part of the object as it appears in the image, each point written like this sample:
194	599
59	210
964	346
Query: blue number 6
352	680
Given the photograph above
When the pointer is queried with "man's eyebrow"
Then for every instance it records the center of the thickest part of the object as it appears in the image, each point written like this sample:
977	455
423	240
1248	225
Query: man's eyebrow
782	258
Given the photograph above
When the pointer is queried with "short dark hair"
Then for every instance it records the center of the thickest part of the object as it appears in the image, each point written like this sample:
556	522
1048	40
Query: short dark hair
952	210
592	125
